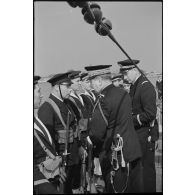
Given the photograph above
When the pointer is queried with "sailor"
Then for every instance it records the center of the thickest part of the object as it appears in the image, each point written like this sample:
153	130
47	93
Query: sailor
58	116
112	124
75	96
88	97
144	111
42	137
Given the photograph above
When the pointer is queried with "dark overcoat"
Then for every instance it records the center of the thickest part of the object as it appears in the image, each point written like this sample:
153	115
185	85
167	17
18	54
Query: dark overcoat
119	119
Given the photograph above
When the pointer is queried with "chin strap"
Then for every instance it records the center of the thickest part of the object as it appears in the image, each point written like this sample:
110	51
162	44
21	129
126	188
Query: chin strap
60	93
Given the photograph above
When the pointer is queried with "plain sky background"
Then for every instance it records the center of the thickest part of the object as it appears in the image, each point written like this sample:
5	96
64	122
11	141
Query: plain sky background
63	40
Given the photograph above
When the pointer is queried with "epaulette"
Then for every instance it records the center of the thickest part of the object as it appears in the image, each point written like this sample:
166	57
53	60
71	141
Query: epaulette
144	82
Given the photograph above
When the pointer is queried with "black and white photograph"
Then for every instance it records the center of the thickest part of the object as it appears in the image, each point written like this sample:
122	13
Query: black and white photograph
98	97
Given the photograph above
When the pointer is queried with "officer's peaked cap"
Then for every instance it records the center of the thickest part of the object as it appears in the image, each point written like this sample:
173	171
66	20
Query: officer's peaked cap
127	64
97	70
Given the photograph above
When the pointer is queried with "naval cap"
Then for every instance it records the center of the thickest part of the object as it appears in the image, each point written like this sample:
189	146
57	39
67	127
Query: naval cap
59	79
36	79
84	76
97	70
73	74
116	77
127	64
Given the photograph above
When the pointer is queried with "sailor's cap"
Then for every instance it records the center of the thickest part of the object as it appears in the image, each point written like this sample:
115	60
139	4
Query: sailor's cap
116	77
36	79
84	76
73	74
59	79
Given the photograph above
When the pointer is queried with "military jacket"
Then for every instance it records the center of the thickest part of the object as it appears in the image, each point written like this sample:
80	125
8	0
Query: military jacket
79	103
39	155
144	107
51	120
89	104
101	131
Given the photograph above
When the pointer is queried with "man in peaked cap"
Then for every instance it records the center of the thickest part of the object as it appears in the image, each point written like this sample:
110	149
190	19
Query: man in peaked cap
112	121
89	99
144	111
82	107
117	80
61	88
42	185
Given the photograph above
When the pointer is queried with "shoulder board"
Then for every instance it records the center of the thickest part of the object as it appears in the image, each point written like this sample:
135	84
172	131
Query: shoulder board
144	82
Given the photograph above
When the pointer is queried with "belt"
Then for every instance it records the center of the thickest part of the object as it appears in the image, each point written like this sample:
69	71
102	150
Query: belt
61	136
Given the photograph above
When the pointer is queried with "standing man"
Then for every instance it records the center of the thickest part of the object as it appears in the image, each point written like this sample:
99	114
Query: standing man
144	111
112	132
75	96
87	96
61	88
42	184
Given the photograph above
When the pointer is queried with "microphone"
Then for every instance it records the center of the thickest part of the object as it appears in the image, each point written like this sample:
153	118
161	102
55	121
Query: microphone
74	4
92	13
104	27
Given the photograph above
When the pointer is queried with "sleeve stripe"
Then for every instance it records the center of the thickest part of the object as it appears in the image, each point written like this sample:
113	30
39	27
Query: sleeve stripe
138	119
38	182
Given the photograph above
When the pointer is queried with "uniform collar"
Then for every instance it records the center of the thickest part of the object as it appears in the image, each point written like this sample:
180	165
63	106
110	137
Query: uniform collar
57	97
44	129
91	93
78	97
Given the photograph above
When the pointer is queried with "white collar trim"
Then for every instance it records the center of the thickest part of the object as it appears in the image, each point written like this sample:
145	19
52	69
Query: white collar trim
37	128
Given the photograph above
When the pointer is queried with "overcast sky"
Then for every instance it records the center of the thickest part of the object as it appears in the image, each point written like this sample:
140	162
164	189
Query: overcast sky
63	40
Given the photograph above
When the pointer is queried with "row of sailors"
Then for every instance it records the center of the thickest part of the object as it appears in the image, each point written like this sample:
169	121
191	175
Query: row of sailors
90	117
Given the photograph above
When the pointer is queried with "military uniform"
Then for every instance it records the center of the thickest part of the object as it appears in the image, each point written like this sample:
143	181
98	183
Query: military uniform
79	103
144	112
115	104
94	94
51	120
88	102
41	184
